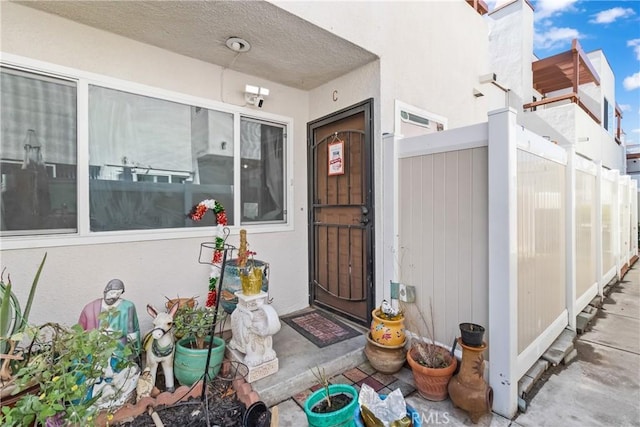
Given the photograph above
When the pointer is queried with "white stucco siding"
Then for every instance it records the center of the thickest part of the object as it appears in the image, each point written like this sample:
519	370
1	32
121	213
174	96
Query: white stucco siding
511	40
434	68
151	270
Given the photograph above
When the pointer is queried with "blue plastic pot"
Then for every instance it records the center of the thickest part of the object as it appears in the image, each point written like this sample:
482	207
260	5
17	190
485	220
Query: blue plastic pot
411	413
343	417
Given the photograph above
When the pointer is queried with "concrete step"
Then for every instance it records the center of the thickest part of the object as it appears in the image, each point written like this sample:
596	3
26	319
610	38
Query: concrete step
298	356
560	348
584	318
527	382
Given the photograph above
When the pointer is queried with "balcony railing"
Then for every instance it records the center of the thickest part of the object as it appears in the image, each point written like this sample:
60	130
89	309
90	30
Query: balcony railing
572	97
568	71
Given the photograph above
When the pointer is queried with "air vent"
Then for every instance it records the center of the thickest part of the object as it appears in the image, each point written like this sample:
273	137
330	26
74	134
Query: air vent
414	119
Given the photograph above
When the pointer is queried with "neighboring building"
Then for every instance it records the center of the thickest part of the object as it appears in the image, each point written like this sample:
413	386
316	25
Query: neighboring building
565	103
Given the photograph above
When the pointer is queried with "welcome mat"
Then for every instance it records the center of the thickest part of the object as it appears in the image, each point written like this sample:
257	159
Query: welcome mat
320	328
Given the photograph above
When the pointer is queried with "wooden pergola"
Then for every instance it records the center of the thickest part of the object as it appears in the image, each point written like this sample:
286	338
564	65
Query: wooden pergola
566	70
479	6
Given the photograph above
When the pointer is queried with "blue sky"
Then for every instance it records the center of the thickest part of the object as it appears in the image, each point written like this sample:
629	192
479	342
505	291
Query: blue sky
613	27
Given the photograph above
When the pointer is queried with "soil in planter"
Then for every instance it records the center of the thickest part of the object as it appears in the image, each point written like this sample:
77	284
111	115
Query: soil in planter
220	408
338	401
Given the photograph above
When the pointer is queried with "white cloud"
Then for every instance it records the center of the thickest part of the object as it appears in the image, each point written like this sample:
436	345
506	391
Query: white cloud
555	37
635	130
546	8
632	82
625	107
635	44
610	15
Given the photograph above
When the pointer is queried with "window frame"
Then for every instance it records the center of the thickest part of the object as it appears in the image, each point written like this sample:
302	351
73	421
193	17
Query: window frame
84	235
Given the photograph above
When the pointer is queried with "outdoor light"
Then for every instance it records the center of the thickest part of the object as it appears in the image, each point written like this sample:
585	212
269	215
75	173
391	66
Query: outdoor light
254	95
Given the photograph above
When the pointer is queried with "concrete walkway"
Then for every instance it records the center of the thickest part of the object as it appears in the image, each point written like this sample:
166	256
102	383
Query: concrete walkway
600	387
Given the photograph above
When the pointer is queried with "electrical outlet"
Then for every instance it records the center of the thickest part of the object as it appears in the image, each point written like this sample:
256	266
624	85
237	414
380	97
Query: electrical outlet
407	293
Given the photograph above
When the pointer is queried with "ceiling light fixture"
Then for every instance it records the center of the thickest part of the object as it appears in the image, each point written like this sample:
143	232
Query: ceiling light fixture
238	45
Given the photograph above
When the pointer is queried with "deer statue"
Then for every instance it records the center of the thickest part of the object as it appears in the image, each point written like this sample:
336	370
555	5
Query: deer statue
160	346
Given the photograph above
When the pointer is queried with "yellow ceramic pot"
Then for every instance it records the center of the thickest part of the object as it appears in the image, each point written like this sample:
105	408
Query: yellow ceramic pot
386	331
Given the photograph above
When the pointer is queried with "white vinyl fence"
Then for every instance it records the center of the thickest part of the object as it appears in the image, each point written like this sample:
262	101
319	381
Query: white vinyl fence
496	225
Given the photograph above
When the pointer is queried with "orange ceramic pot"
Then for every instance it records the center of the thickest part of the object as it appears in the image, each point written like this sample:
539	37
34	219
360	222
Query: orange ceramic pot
387	331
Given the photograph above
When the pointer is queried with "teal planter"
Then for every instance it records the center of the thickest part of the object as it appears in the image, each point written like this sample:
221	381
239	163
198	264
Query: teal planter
343	417
189	363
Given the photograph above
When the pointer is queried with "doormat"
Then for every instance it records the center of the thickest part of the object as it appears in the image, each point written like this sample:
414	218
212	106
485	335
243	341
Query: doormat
320	328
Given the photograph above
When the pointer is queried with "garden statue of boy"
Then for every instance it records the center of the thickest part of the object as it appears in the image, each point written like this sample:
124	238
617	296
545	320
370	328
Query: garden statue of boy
122	317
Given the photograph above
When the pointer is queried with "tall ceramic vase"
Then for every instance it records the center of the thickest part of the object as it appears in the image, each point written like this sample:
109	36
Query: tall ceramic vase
468	389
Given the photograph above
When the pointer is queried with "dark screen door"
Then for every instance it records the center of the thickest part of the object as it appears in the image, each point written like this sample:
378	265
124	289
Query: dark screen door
341	213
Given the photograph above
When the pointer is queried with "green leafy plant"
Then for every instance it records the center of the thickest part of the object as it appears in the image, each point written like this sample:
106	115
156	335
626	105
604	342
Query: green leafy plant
196	322
13	320
66	363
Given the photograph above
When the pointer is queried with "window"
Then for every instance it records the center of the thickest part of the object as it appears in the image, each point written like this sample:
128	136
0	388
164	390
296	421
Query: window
262	172
38	163
607	121
150	159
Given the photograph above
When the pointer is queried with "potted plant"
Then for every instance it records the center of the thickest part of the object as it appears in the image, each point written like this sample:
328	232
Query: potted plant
68	365
332	404
432	365
13	321
385	346
194	327
471	334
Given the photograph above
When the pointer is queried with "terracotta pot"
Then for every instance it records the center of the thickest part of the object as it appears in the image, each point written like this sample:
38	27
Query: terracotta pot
387	332
468	389
191	302
432	383
383	358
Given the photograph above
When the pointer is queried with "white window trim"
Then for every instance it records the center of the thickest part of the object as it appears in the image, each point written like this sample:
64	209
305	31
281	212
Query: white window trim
403	106
84	236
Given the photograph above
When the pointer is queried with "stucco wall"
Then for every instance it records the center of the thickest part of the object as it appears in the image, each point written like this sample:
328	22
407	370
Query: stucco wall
511	40
151	270
434	67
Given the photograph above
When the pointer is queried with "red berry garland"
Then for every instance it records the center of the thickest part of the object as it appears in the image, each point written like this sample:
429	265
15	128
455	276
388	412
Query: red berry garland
196	214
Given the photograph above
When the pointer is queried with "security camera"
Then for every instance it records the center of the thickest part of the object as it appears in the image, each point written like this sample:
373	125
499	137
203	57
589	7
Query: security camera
256	100
254	95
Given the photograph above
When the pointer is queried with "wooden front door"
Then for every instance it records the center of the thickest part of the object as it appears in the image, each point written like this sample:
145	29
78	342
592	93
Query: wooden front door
341	212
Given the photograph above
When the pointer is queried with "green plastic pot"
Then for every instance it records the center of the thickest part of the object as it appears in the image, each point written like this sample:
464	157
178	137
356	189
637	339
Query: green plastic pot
189	363
343	417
